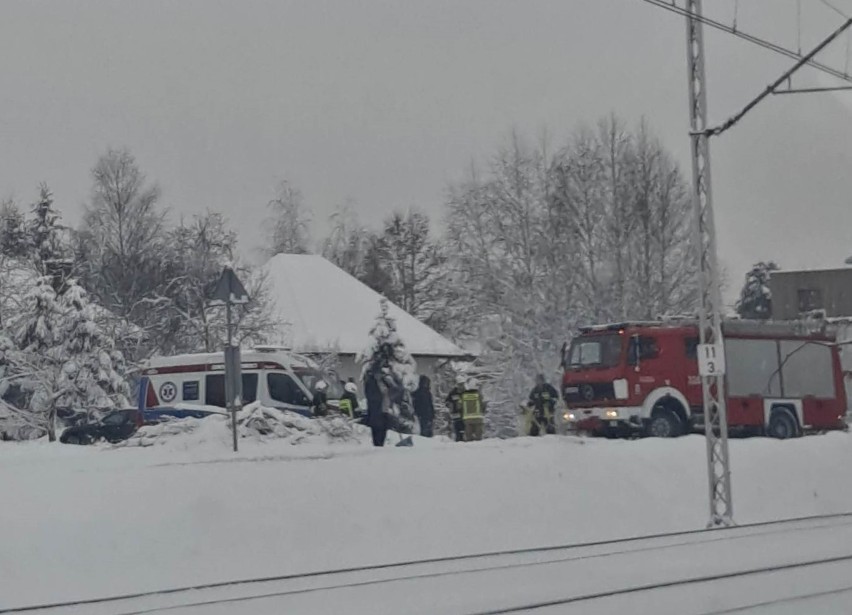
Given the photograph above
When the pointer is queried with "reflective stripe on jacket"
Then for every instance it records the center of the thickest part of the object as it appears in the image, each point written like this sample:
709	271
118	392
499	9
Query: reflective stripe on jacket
471	405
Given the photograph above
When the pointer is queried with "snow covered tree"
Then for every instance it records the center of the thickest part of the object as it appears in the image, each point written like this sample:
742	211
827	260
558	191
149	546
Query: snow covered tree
409	266
120	246
543	241
15	266
48	249
60	357
37	358
755	300
14	242
289	224
348	242
199	251
386	355
374	270
92	371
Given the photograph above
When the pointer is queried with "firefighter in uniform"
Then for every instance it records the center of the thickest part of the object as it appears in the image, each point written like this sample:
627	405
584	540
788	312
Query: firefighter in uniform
472	411
349	400
454	405
542	401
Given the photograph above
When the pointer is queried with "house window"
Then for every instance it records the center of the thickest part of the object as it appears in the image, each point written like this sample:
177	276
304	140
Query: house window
810	299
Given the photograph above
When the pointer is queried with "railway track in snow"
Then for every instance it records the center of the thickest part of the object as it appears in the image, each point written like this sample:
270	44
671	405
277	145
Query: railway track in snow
475	570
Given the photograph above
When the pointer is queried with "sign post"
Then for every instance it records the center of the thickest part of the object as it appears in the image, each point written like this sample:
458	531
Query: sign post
230	291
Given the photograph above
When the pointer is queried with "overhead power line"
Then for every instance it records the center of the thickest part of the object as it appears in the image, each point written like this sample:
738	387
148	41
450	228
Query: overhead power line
679	10
835	9
771	88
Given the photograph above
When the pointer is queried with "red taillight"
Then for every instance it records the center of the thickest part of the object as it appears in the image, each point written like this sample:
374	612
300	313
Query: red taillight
151	400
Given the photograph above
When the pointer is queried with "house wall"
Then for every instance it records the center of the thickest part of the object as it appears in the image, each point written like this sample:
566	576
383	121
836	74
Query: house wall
833	286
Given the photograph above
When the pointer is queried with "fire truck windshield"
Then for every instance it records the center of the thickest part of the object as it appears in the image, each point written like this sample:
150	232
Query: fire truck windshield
595	350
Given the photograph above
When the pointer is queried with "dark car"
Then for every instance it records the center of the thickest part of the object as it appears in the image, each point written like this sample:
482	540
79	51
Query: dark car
114	426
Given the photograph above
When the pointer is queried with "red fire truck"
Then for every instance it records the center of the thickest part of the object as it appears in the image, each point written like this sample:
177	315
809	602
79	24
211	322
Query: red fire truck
782	379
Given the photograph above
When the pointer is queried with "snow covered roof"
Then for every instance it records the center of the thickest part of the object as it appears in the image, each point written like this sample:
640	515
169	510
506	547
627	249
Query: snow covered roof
326	309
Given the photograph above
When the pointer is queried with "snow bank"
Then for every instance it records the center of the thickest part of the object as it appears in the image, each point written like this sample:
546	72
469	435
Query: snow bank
254	422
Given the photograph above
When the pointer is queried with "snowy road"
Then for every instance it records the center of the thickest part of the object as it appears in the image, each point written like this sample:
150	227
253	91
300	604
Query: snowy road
84	522
574	579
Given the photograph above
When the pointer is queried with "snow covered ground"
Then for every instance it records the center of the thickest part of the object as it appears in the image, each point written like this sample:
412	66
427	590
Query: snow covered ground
82	522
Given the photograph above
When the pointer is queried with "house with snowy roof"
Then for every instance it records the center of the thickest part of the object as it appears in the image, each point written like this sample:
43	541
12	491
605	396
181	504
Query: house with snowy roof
323	311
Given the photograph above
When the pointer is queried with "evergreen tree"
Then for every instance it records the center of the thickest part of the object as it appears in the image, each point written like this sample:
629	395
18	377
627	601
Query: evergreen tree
91	369
13	233
45	236
755	300
37	339
386	354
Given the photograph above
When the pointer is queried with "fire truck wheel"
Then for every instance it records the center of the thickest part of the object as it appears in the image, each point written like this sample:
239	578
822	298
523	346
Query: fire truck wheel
782	425
663	424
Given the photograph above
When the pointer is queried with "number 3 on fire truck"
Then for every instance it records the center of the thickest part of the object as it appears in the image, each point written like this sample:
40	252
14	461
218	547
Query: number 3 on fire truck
711	359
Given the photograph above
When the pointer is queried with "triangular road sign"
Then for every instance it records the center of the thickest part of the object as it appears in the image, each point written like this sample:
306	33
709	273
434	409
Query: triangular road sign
229	289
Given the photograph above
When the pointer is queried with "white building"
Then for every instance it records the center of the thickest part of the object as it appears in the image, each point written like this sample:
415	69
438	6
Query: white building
325	311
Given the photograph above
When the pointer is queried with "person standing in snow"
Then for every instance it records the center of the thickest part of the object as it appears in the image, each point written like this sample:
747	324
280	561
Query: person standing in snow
454	405
376	400
424	406
473	409
349	400
543	403
320	403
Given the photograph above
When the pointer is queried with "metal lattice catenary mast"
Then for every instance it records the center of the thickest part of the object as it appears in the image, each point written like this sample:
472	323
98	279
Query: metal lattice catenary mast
710	306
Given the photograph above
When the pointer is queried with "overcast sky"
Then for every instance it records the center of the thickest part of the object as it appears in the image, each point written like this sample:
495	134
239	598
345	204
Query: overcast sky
386	102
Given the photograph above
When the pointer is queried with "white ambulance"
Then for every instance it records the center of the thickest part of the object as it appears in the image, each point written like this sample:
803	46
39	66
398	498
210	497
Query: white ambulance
277	378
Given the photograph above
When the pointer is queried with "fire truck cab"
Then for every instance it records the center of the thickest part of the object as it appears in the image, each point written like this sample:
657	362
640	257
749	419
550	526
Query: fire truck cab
782	379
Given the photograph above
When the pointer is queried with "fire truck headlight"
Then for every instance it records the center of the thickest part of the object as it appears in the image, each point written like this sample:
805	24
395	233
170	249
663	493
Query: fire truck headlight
568	416
611	414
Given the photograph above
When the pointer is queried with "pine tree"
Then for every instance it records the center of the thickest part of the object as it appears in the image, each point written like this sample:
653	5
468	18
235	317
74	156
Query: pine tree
37	338
45	235
755	300
13	233
386	354
91	369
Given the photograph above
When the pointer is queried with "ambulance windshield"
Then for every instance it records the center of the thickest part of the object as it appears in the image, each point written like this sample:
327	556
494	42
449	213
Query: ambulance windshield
310	376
